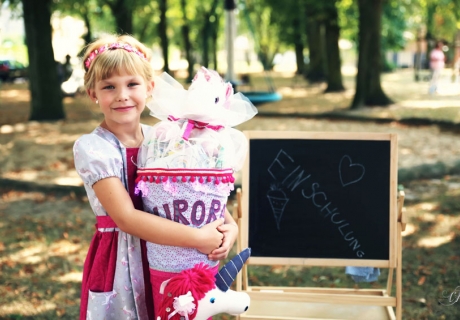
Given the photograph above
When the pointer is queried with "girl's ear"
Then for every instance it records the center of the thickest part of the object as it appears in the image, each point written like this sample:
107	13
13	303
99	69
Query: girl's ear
92	94
150	87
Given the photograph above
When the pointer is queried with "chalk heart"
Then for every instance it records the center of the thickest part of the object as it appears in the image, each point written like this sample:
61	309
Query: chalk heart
350	172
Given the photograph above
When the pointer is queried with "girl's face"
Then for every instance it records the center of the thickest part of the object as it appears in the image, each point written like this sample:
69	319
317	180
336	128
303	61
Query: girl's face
121	97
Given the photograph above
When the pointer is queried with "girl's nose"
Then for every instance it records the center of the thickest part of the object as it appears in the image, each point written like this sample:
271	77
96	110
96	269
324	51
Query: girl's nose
122	96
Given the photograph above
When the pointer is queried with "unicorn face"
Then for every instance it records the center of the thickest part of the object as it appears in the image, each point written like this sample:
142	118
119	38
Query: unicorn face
217	301
207	95
211	293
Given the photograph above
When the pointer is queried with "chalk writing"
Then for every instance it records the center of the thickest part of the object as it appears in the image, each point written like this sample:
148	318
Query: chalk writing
285	171
281	169
343	226
278	201
350	172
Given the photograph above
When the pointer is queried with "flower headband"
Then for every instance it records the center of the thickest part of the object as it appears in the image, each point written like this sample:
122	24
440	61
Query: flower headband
112	46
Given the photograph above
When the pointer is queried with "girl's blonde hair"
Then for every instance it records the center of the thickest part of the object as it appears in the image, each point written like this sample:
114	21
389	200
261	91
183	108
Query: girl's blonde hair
110	62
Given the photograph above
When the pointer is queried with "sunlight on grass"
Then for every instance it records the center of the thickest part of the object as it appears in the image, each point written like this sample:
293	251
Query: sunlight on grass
26	308
72	180
433	242
442	227
63	248
289	92
428	206
430	104
70	277
17	95
410	229
31	254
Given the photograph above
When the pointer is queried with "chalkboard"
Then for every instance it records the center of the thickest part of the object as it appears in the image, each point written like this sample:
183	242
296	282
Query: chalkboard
320	196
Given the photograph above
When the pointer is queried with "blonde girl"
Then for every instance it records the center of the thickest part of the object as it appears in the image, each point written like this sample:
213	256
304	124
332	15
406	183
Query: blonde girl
115	274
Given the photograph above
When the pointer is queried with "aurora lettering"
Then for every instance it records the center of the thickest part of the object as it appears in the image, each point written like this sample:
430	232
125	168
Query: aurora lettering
197	212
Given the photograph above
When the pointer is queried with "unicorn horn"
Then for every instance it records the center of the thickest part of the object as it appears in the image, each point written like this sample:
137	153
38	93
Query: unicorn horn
227	273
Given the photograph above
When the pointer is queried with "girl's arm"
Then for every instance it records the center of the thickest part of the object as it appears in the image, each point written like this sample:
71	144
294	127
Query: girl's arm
117	202
230	231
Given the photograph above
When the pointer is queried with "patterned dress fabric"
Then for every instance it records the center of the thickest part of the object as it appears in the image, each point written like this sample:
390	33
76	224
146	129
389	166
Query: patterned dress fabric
115	276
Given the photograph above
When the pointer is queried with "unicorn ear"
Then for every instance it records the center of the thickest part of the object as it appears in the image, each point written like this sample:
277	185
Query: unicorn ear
229	90
163	286
227	274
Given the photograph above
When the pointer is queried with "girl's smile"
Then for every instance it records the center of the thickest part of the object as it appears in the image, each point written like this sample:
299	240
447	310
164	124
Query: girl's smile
123	109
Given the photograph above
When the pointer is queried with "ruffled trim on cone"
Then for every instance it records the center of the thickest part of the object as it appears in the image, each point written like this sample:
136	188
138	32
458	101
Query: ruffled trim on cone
161	175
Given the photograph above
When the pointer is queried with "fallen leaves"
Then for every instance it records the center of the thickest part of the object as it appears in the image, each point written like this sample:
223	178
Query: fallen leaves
44	241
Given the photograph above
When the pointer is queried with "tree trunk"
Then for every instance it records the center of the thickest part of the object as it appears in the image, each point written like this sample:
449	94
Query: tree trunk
162	31
46	96
369	91
123	13
334	72
298	46
316	67
214	37
88	37
187	43
430	29
206	32
300	63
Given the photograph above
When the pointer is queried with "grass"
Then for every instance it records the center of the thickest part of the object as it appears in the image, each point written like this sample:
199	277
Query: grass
45	236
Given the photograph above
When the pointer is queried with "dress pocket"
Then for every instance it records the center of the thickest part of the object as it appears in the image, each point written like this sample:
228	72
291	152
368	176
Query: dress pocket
101	306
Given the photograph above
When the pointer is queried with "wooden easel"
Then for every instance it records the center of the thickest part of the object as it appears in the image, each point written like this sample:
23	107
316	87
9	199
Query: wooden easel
295	303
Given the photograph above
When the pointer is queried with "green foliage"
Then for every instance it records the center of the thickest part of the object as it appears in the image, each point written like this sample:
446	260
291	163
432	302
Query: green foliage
145	21
290	16
348	19
97	16
393	26
259	18
14	47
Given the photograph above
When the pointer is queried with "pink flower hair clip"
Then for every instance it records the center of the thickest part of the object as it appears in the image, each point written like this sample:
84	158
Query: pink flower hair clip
112	46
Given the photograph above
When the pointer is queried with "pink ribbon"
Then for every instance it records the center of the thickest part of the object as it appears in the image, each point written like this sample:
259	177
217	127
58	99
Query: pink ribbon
192	124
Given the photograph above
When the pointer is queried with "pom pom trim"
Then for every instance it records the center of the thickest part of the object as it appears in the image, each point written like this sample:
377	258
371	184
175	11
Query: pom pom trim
161	175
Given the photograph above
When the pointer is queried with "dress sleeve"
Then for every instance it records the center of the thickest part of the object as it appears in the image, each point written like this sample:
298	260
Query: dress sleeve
96	158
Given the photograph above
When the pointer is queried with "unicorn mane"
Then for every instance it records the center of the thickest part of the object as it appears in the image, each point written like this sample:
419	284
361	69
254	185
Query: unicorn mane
198	280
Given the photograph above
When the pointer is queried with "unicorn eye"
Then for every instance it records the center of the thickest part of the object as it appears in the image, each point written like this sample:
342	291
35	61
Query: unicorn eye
212	300
216	100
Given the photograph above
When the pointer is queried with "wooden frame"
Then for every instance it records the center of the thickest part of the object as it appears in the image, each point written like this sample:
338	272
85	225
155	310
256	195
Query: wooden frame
324	303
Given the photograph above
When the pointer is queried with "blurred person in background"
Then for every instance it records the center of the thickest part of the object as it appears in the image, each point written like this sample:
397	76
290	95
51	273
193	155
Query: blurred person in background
437	62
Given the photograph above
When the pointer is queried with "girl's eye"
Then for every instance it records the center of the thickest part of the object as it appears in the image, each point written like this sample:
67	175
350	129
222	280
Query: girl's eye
212	300
108	87
216	100
132	84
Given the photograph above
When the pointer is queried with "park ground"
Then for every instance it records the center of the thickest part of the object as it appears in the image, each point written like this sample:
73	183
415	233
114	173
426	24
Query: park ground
46	222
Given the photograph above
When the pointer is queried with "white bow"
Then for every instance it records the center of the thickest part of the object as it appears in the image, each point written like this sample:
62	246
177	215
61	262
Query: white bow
183	305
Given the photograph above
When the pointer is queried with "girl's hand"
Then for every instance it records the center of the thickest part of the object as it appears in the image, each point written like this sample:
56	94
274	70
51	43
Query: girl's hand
210	237
230	231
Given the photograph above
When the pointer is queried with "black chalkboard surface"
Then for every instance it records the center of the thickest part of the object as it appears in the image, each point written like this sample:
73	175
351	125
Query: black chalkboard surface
323	196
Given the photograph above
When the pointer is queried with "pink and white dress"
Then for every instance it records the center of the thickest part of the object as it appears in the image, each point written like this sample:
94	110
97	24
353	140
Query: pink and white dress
116	278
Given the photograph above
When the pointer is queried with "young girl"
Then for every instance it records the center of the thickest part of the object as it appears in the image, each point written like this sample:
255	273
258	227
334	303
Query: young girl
186	164
115	275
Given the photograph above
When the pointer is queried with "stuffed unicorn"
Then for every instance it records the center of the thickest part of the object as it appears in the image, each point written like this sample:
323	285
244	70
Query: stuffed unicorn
195	130
196	294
